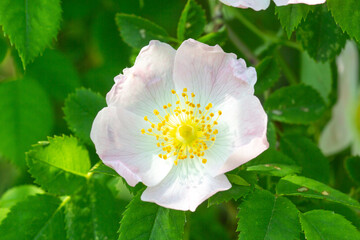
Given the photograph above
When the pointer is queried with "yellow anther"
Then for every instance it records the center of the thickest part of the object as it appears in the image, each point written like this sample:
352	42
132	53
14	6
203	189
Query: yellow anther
182	131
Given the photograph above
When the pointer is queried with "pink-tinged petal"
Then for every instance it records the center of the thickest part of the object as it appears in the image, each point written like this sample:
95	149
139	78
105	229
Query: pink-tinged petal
211	73
254	4
119	143
145	86
186	187
338	134
247	123
309	2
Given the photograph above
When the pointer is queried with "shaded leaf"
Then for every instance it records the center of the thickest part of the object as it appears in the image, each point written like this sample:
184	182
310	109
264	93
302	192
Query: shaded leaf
152	222
320	36
347	15
295	104
94	210
45	214
352	166
306	187
265	216
137	31
268	73
307	155
192	21
278	170
327	225
80	111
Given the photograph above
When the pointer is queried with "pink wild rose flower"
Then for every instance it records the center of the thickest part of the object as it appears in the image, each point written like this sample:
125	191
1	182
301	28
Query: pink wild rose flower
178	120
264	4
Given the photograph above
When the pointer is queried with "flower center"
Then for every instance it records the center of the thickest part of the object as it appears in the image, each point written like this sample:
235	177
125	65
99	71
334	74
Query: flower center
186	130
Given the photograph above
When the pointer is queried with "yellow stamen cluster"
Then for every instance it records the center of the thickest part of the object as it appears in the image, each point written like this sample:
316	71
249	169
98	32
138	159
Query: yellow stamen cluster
186	130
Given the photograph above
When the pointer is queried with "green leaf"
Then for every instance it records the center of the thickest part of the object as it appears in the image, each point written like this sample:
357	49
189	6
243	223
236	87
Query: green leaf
152	222
271	156
55	73
214	38
306	187
352	166
268	73
289	105
317	75
39	217
18	194
92	209
137	31
30	25
192	21
15	195
320	36
271	134
103	169
327	225
307	155
3	48
27	114
291	15
240	187
265	216
80	111
278	170
207	223
59	165
347	16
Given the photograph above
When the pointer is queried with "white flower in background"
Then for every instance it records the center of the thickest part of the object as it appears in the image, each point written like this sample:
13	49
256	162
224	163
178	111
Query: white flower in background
344	127
264	4
178	120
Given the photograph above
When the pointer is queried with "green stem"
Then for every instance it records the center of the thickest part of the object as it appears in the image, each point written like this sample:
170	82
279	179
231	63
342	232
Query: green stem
264	36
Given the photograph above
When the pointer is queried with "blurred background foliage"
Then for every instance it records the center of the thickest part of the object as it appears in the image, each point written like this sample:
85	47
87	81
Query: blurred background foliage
60	92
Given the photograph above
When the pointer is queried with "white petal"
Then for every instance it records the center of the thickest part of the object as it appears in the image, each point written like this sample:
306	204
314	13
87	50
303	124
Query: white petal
254	4
119	143
337	134
211	73
147	85
309	2
186	187
247	122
